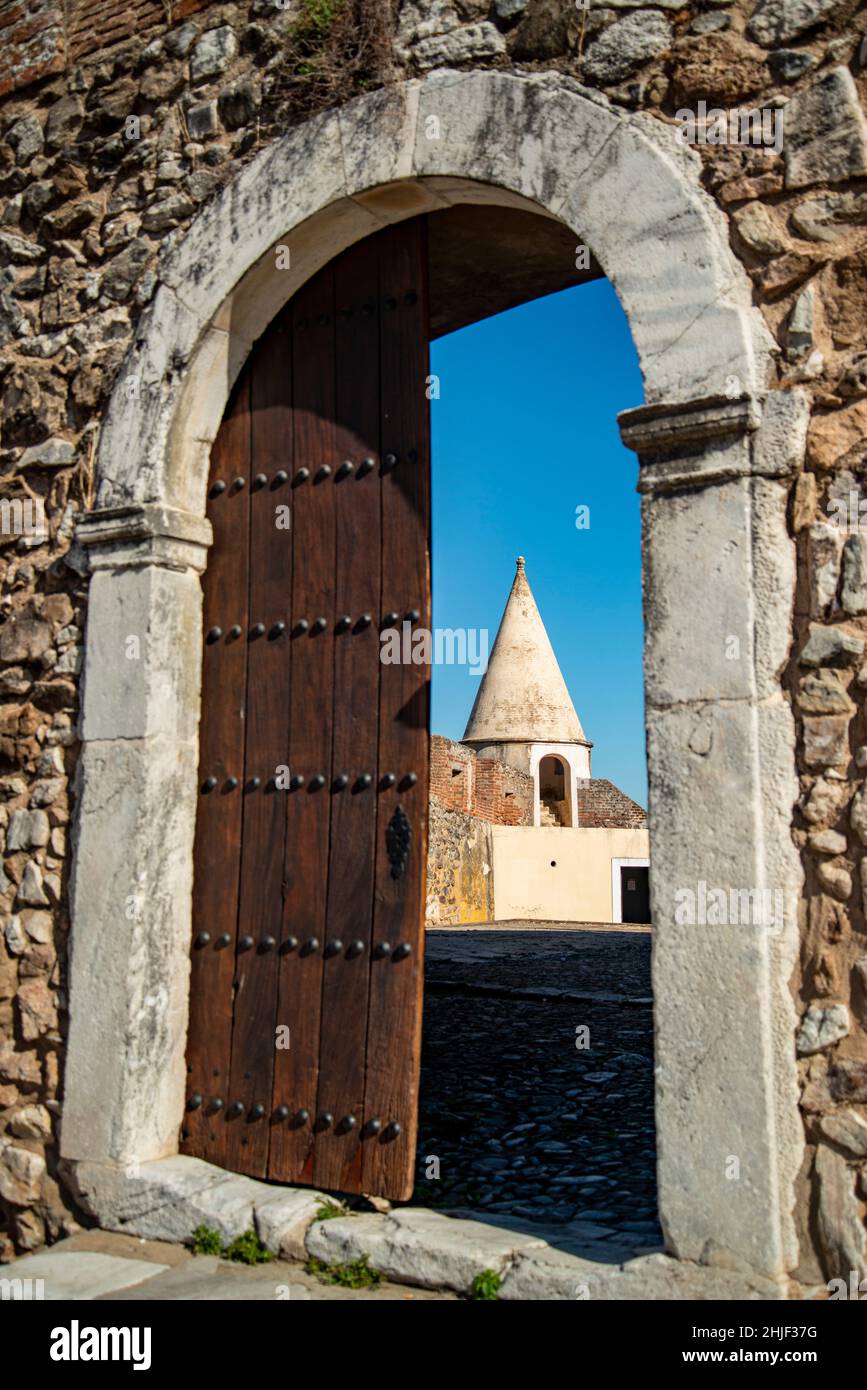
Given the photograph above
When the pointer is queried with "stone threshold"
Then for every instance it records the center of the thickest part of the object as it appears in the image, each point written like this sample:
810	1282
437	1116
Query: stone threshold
166	1199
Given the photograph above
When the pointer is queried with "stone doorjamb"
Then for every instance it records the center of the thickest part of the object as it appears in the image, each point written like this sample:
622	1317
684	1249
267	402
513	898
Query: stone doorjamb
717	454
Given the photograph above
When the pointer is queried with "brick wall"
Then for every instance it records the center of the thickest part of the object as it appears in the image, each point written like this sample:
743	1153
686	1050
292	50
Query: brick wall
480	787
41	37
31	41
600	803
495	792
95	24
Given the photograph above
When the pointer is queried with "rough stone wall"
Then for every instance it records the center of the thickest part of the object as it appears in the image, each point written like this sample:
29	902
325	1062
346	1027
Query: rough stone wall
481	787
460	881
87	196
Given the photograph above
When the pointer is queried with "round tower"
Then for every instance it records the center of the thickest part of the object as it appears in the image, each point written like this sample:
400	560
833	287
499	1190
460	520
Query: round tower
523	713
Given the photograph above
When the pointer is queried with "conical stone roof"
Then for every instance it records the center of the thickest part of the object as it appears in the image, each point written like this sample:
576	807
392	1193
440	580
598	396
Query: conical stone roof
523	696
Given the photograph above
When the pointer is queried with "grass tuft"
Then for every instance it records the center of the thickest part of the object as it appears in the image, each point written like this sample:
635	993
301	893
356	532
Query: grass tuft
357	1275
246	1249
206	1241
335	50
328	1210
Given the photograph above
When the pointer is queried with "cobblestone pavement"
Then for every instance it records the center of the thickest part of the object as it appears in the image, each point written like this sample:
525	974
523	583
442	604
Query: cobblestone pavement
528	1127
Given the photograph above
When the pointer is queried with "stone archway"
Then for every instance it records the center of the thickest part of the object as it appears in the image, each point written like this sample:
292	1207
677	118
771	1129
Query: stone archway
716	453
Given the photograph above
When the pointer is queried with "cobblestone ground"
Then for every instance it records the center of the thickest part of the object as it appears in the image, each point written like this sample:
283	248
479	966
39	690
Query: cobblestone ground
528	1127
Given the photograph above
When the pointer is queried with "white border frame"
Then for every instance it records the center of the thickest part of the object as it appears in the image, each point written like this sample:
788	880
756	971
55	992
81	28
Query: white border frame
616	891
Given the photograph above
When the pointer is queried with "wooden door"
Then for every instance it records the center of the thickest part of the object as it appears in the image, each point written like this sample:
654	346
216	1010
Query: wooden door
311	834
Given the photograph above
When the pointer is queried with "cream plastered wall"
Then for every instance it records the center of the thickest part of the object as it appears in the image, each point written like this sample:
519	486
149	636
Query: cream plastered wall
552	874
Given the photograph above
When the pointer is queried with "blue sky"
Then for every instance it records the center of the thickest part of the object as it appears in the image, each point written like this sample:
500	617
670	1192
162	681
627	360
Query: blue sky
524	431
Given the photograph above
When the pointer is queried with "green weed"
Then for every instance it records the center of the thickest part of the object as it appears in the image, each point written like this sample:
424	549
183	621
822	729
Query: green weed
357	1275
486	1285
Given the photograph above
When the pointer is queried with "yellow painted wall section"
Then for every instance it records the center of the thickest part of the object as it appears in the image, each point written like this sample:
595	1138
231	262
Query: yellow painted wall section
458	868
552	874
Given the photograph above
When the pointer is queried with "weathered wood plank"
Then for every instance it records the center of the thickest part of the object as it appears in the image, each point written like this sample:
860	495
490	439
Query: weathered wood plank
308	809
217	851
356	696
267	732
394	1019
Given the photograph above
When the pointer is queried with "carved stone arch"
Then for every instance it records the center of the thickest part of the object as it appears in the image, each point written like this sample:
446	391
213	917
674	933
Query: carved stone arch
716	455
623	184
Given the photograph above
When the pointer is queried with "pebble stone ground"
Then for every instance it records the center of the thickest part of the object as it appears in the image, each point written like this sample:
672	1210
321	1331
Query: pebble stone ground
527	1127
